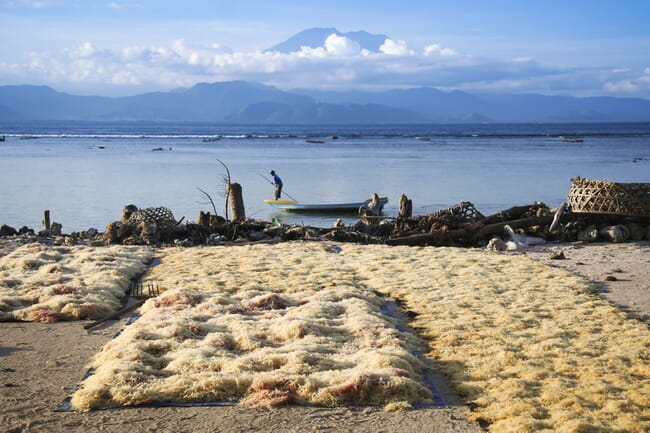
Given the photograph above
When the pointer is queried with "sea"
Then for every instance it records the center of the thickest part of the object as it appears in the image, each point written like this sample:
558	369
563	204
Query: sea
84	173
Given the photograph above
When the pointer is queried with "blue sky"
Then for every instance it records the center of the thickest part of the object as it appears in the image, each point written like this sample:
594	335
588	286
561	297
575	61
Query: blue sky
115	48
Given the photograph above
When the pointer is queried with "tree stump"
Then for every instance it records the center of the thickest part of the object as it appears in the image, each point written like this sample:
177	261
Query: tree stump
405	207
236	202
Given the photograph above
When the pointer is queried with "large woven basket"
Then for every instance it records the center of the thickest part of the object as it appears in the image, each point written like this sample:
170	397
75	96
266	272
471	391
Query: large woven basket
609	198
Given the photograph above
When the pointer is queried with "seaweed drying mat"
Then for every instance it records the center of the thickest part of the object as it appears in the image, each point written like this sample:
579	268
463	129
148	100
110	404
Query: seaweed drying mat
47	284
321	349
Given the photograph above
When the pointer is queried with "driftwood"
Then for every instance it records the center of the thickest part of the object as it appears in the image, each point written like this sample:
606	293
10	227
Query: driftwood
467	234
516	212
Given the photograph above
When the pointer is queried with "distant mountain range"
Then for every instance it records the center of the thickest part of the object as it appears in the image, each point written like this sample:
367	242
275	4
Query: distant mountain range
242	102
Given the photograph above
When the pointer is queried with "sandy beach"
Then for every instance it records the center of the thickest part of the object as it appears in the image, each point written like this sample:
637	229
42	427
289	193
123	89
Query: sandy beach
43	364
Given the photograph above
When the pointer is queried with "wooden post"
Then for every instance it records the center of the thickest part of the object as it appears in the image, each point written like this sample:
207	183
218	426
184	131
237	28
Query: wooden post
204	219
236	202
46	219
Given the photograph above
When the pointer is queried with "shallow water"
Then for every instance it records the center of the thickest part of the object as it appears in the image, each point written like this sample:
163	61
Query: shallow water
84	173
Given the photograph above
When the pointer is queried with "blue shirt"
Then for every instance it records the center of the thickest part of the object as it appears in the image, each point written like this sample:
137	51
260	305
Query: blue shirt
276	180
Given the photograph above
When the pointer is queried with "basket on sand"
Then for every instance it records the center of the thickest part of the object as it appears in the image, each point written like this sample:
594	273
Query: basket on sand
609	198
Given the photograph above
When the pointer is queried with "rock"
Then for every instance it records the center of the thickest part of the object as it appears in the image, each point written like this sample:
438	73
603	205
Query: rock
91	233
637	232
116	232
273	231
588	234
6	230
256	236
56	229
24	230
495	244
557	255
617	234
148	232
610	278
128	210
294	233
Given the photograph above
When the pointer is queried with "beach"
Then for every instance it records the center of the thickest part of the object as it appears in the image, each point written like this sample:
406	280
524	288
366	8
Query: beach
43	364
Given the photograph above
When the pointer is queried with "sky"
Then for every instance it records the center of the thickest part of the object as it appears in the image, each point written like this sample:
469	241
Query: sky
118	48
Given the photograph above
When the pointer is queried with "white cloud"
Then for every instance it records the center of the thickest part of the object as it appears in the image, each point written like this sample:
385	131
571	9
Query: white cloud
341	46
630	85
339	64
436	49
395	48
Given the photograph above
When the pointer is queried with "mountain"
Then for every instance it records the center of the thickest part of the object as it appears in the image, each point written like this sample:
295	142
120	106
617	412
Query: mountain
461	107
252	103
316	37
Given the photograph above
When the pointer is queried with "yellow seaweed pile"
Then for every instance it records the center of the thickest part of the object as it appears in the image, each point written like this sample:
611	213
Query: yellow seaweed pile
264	349
528	345
47	284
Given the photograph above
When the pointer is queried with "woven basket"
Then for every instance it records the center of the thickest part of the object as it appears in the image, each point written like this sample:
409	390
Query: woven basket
161	216
610	198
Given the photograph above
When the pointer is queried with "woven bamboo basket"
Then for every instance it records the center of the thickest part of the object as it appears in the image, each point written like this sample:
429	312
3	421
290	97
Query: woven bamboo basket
161	216
609	198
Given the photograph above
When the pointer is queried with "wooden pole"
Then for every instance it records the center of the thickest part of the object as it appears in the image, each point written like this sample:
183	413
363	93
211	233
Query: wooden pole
46	219
236	202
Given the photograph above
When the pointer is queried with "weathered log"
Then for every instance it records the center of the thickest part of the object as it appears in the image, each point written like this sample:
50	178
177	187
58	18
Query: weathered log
513	213
473	231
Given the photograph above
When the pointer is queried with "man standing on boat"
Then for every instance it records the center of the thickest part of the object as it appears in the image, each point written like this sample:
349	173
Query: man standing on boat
278	184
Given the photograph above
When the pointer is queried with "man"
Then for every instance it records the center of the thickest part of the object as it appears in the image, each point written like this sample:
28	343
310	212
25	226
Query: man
278	184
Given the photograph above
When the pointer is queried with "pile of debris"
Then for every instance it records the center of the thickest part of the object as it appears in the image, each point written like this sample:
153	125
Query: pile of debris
460	225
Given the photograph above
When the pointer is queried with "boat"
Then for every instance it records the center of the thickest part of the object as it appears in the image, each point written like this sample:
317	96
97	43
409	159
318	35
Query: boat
571	140
294	206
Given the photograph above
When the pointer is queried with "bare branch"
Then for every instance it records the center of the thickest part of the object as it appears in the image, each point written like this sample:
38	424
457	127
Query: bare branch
209	198
227	180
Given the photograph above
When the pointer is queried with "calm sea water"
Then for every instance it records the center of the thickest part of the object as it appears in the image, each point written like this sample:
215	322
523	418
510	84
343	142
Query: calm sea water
84	173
